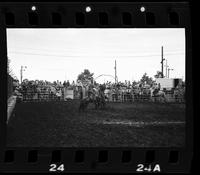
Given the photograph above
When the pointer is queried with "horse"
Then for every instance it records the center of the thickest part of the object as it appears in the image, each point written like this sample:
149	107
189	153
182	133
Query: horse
84	103
95	96
100	101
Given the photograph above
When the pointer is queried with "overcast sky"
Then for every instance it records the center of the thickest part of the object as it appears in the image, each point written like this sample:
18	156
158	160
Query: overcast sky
61	54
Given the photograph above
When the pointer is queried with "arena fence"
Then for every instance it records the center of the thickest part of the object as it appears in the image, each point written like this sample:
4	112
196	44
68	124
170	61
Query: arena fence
111	98
146	98
40	97
10	85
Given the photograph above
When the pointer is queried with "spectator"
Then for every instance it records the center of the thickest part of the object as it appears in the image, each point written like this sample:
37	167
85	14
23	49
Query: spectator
67	84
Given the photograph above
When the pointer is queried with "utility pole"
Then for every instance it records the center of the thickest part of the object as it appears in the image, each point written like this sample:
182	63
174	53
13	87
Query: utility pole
166	66
21	72
162	59
168	71
115	72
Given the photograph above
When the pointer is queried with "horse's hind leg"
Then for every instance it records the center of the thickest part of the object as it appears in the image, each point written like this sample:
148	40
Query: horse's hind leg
82	106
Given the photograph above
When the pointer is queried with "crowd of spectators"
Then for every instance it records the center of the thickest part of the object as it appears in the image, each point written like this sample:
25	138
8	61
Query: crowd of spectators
121	91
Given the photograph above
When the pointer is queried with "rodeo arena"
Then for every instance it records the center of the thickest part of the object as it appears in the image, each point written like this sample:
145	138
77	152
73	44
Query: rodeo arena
87	113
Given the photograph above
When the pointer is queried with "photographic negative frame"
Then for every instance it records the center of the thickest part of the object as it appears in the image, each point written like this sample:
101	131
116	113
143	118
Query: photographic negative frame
106	15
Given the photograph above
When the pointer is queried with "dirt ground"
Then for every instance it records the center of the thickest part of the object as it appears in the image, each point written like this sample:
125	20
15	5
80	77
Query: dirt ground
59	124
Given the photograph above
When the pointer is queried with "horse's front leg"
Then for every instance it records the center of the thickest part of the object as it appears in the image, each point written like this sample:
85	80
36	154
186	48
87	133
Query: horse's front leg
96	105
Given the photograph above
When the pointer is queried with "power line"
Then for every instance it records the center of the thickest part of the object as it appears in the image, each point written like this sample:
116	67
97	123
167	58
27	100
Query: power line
55	55
47	49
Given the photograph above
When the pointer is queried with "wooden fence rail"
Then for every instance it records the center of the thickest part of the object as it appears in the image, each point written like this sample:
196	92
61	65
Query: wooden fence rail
112	98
